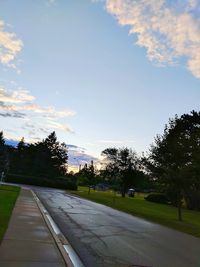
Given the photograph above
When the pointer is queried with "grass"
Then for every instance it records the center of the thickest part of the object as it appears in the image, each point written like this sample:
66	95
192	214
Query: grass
138	206
8	196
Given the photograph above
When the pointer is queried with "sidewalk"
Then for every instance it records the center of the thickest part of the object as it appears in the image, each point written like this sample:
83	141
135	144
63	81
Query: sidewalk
28	241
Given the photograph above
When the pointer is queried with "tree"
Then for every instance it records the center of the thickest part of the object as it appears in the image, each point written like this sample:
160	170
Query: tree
111	171
4	159
174	158
47	158
21	157
87	174
21	145
2	140
120	165
57	152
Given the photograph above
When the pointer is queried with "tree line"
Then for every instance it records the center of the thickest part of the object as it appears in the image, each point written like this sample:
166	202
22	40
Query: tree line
41	163
171	166
120	171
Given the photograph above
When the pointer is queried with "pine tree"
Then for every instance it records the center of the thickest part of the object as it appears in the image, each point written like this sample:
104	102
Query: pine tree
3	154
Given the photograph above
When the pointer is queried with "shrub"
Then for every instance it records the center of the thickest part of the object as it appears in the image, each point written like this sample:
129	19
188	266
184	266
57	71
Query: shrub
157	198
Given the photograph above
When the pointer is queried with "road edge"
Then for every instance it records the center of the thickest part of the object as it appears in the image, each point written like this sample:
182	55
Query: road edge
69	255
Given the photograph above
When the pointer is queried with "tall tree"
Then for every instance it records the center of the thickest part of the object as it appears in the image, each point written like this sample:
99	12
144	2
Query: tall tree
4	157
88	174
120	165
2	140
21	145
47	158
92	174
174	158
58	154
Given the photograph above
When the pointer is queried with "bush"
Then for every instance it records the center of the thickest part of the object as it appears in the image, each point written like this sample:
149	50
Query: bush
61	182
157	198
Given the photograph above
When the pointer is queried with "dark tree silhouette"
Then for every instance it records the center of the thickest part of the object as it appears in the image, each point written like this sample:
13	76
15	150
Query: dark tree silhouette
4	155
88	175
21	145
174	159
56	153
2	140
47	158
121	165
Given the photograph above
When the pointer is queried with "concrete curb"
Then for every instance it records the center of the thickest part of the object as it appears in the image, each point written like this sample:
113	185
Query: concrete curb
69	255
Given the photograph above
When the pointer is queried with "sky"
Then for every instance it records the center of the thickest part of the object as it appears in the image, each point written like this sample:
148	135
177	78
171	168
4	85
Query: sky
101	73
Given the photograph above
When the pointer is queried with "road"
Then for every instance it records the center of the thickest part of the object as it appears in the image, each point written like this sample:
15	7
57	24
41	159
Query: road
103	237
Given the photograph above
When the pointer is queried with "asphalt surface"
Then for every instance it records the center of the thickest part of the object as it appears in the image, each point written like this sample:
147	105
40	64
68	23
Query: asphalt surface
105	237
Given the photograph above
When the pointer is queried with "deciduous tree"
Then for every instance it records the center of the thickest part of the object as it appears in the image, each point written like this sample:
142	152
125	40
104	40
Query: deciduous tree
174	159
120	165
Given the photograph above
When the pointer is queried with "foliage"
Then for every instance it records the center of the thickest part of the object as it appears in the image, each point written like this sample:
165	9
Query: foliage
87	175
121	168
157	198
57	153
2	140
47	158
4	158
43	163
174	159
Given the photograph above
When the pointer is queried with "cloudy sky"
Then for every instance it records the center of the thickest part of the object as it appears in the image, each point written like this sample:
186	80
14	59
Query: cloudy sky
100	73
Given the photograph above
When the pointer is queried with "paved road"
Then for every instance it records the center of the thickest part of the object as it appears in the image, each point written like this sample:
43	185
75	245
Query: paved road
104	237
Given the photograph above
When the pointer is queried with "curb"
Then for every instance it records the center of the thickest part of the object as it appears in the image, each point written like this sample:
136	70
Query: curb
69	255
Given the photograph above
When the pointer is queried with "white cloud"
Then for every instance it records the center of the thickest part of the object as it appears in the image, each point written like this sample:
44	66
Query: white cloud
49	112
20	104
14	139
78	156
10	46
59	126
169	30
17	96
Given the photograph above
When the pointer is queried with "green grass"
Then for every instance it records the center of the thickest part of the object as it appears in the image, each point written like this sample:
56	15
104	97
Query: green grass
159	213
8	196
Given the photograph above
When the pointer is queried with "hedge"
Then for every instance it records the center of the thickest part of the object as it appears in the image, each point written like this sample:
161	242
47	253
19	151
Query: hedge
60	183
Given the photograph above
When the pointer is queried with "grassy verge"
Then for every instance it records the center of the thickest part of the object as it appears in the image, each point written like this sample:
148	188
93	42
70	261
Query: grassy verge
159	213
8	196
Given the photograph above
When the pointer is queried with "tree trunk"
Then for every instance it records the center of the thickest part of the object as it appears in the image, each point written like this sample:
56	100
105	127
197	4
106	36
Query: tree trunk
88	190
123	191
114	197
180	210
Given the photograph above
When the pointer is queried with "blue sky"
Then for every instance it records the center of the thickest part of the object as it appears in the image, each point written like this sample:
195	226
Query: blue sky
99	73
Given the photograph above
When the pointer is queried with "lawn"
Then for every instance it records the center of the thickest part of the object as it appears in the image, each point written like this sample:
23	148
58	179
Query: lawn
8	196
138	206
